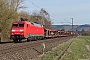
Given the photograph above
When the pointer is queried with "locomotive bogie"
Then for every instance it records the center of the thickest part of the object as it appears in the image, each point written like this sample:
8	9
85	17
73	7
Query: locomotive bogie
36	37
17	38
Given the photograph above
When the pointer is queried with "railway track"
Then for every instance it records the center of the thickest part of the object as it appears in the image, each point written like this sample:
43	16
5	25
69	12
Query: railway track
34	46
19	47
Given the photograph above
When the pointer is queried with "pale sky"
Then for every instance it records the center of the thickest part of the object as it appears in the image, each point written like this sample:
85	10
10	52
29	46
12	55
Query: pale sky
62	10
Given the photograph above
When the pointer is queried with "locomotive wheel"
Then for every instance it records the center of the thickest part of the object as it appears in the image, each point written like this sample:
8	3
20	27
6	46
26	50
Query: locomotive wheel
19	40
28	40
15	41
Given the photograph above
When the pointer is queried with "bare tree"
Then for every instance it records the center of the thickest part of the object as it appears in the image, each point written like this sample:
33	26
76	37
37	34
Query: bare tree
46	21
15	4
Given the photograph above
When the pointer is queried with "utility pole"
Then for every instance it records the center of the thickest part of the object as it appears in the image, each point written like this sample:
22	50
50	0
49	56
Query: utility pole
72	27
72	24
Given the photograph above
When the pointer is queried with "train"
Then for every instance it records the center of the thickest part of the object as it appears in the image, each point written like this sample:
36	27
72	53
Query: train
29	30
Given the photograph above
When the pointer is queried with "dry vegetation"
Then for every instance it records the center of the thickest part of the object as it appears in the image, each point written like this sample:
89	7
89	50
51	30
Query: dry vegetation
9	13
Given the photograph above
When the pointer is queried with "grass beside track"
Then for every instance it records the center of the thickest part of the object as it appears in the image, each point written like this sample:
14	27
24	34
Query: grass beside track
78	50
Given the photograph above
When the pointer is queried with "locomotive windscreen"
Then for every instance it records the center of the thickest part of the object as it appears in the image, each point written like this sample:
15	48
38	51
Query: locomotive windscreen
18	25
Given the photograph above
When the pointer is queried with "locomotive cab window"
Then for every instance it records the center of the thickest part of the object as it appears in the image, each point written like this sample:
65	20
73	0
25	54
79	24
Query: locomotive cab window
18	25
21	25
15	25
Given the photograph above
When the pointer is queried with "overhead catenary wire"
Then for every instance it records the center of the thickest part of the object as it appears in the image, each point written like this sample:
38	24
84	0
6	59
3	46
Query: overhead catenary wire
34	4
67	21
41	8
51	15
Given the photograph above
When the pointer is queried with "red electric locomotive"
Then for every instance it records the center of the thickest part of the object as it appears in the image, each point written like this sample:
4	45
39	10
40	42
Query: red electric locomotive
24	30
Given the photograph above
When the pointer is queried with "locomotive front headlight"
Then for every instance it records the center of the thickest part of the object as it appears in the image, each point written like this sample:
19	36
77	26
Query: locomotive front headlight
21	30
13	30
